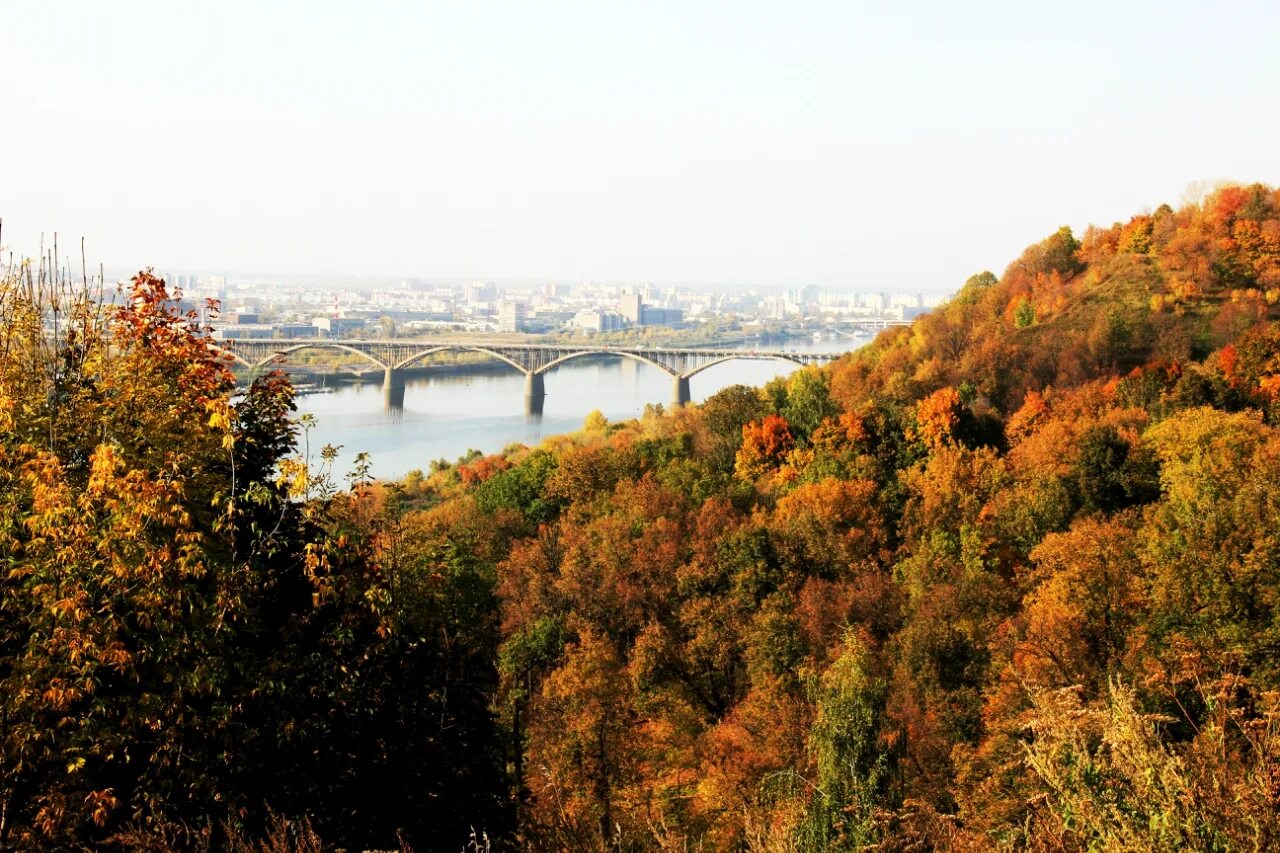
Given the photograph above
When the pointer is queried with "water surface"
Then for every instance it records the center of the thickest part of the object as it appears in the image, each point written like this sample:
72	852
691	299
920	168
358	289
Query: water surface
446	414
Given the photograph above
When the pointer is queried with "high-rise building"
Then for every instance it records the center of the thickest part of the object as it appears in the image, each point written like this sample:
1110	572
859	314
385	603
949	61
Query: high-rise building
806	295
479	292
511	317
631	306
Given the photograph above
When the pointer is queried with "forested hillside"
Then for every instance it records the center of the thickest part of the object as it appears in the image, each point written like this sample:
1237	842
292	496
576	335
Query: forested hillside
1007	578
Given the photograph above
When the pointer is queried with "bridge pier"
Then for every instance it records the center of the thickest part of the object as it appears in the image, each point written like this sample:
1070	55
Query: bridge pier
392	389
535	391
680	392
531	359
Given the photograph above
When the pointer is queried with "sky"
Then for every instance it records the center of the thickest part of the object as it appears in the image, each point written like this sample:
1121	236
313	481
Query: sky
844	144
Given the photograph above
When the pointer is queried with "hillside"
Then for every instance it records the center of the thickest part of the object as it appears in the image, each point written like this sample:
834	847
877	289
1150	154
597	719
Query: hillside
1007	578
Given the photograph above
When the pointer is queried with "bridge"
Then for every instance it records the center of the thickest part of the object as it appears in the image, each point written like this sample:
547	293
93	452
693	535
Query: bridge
533	360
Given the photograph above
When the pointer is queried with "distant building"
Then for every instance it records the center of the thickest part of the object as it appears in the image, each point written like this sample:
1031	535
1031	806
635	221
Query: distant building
336	327
660	316
595	320
512	316
478	293
243	332
631	306
636	313
905	312
295	330
542	321
806	295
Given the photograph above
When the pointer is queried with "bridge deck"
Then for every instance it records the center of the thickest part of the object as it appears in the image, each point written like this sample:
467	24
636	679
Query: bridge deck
529	358
534	360
505	345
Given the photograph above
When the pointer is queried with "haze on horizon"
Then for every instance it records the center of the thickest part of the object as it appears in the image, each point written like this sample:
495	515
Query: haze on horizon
843	144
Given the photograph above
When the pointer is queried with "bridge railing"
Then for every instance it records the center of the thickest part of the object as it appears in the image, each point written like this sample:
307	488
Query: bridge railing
534	360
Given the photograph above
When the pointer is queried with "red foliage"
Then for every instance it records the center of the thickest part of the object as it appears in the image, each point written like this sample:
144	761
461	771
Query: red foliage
483	468
765	443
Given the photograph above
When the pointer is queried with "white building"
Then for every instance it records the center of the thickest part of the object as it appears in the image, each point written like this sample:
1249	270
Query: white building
512	316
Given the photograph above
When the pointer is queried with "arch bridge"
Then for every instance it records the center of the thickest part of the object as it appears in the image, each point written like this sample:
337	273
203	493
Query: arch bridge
533	360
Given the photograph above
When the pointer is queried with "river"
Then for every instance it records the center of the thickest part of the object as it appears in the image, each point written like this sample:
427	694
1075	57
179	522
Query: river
446	414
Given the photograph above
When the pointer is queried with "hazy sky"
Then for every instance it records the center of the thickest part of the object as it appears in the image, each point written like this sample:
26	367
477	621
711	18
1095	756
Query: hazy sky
840	143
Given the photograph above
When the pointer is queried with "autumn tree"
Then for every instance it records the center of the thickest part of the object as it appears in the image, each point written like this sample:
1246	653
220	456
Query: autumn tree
138	514
194	628
1082	619
764	445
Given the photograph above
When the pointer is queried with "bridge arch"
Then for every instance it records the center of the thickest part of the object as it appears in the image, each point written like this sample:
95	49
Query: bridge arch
743	356
636	357
234	356
459	348
279	355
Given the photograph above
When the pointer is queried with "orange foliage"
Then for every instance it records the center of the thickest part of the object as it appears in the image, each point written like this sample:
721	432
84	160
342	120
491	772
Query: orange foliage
1034	410
482	469
937	417
1080	620
832	523
765	443
665	625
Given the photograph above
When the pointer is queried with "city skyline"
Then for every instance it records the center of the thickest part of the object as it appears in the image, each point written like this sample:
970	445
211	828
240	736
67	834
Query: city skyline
250	309
903	147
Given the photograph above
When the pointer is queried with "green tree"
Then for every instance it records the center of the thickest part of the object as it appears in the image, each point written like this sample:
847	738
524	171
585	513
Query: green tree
845	747
724	414
974	287
808	401
1024	314
1110	475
